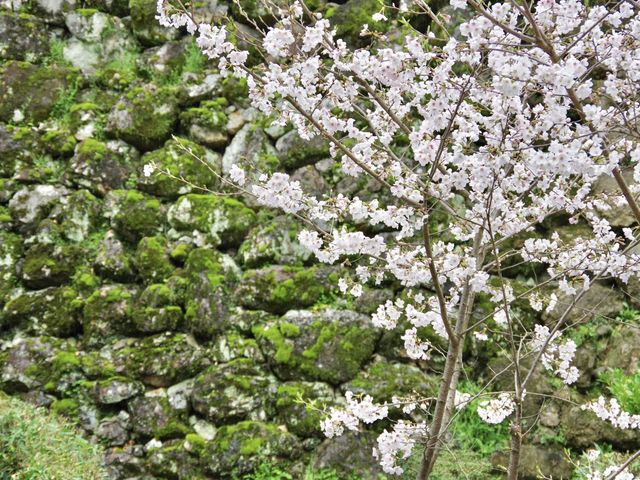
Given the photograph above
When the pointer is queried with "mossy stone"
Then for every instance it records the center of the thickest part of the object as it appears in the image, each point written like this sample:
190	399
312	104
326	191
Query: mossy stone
234	391
243	446
273	243
175	461
145	26
22	37
152	260
201	168
52	311
30	205
113	260
206	124
159	360
107	314
300	406
29	363
102	167
295	152
133	214
59	143
32	90
384	380
326	345
153	416
211	277
144	117
78	216
116	390
278	288
47	265
349	18
226	220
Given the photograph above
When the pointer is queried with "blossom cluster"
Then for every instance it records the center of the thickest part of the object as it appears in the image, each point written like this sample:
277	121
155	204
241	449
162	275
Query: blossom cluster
556	354
494	411
611	411
511	119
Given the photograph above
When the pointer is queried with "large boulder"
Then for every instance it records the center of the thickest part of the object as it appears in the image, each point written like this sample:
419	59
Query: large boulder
102	167
49	265
30	205
537	461
112	260
29	362
153	416
615	208
599	300
301	419
295	152
52	311
385	380
210	277
133	214
76	215
326	345
107	314
145	26
207	123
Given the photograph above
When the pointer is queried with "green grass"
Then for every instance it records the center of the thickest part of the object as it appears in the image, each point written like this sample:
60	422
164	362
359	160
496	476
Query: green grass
453	464
625	388
194	61
36	445
62	108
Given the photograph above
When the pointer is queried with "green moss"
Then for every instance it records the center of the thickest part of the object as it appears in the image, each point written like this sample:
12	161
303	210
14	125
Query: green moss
283	288
151	259
209	115
137	215
144	117
59	142
67	407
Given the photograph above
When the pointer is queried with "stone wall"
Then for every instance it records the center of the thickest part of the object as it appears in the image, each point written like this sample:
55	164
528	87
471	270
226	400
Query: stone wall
177	324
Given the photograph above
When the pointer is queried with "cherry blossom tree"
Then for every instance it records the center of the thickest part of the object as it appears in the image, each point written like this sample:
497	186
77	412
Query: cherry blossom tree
496	125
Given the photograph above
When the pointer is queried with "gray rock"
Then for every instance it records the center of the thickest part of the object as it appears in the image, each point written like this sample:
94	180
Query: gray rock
158	360
607	188
537	462
295	152
30	92
274	243
22	37
599	300
102	167
116	390
113	431
32	204
112	261
153	416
